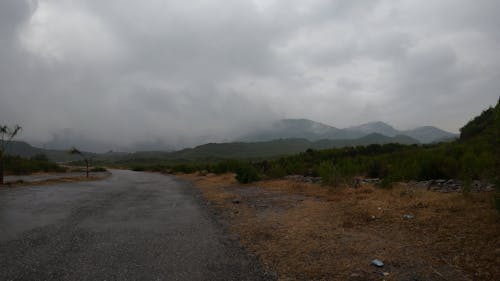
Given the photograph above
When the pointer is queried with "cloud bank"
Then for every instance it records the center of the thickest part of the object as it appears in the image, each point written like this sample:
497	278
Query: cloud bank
112	74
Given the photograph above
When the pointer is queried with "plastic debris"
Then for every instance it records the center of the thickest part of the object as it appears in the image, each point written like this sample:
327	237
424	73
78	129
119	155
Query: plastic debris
377	262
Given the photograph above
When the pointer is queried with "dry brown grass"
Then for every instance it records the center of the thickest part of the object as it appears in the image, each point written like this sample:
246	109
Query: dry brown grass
311	232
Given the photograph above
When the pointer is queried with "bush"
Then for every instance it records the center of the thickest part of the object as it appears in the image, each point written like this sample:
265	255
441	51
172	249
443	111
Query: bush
98	169
377	170
21	166
40	157
386	182
431	168
246	173
329	173
138	168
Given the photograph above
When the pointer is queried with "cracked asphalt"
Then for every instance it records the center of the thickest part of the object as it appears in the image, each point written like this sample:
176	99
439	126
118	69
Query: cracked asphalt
130	226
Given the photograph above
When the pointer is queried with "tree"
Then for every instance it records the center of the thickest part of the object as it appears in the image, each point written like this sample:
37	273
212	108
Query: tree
7	134
86	159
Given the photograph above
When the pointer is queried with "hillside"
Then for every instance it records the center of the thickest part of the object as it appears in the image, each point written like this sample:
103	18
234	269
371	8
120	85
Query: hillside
428	134
485	126
293	128
256	150
376	127
25	150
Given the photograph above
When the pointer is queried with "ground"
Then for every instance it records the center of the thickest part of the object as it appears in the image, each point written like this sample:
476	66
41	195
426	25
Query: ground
130	226
307	231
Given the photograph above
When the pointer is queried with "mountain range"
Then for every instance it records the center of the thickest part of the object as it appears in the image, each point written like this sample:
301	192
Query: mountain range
283	137
313	131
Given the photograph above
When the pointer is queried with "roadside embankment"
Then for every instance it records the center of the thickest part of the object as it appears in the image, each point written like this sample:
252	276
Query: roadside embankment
306	231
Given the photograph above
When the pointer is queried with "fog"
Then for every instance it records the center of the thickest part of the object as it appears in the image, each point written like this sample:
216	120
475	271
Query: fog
118	74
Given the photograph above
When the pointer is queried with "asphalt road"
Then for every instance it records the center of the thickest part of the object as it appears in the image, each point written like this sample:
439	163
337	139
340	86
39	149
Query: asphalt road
131	226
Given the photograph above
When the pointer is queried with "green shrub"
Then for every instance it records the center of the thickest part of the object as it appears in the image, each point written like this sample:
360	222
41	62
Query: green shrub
377	169
98	169
40	157
246	173
276	171
21	166
386	182
329	173
138	168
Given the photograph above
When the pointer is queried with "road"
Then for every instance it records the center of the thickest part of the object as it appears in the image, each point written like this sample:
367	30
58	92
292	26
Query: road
130	226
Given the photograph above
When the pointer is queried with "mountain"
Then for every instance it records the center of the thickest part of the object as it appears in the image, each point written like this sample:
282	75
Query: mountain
25	150
292	128
376	127
428	134
313	131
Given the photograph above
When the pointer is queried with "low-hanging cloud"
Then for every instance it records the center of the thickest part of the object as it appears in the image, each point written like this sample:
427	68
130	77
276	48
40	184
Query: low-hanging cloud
122	72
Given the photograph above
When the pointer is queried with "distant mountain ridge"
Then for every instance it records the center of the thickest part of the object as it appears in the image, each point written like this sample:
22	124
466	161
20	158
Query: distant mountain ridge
313	131
285	136
215	151
264	149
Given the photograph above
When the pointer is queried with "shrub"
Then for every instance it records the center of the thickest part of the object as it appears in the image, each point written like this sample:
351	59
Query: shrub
329	173
40	157
431	168
386	182
21	166
139	168
276	171
377	170
98	169
246	173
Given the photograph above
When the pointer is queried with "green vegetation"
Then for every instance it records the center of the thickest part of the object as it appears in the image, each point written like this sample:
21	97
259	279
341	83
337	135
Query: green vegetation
98	169
16	165
6	135
246	173
475	156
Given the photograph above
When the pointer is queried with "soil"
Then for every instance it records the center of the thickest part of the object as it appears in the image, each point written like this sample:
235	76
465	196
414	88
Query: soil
305	231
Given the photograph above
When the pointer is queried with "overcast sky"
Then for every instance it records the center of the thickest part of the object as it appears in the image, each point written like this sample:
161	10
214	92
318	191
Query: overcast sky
181	72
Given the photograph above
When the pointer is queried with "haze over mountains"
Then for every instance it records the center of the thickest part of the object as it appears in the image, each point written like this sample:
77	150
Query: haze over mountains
280	129
313	131
279	138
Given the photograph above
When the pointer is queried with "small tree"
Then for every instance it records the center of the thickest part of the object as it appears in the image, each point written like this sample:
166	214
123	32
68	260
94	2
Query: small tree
7	134
86	159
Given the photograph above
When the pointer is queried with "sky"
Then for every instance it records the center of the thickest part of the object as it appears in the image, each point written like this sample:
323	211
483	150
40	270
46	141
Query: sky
121	73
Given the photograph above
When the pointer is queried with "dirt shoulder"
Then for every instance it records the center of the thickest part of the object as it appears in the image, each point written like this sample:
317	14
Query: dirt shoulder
49	179
307	231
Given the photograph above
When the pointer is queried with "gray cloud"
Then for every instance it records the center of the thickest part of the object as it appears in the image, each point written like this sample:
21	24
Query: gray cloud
123	72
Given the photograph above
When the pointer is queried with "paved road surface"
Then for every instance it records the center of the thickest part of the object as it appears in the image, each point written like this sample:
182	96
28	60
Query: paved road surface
131	226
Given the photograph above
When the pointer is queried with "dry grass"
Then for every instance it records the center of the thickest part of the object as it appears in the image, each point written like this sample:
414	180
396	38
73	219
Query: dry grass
311	232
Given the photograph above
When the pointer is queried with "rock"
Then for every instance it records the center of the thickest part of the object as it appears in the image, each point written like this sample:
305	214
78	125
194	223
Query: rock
377	262
301	178
373	180
408	216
